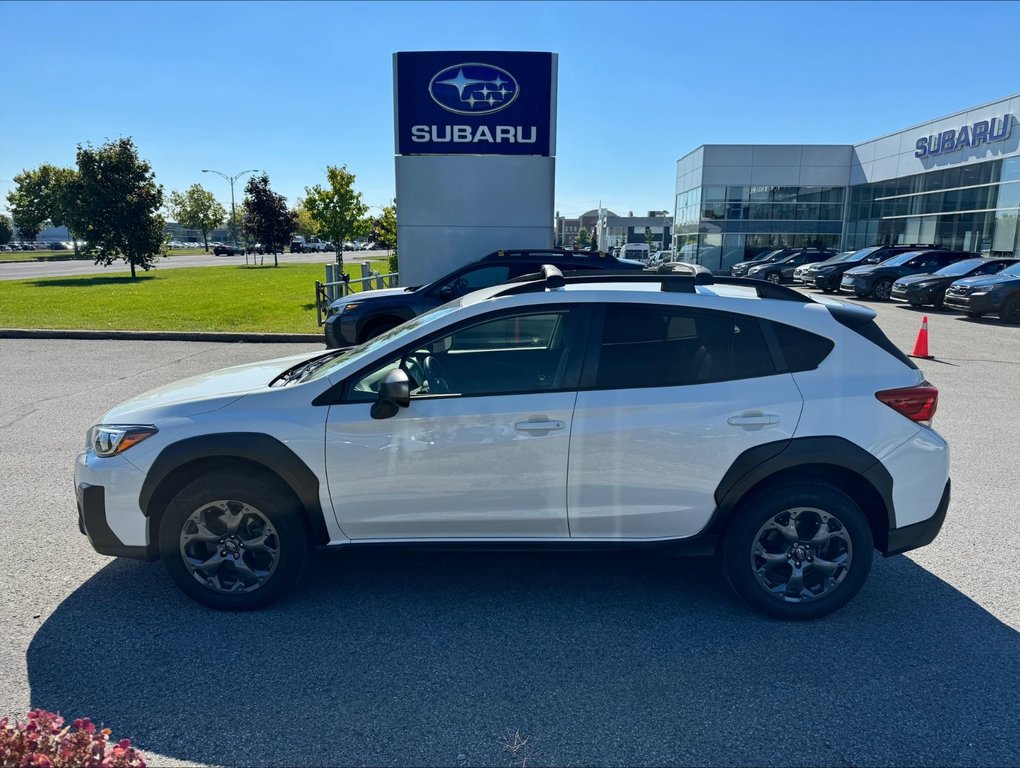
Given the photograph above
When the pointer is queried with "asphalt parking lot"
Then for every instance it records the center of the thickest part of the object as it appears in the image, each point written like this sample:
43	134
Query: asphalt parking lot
401	659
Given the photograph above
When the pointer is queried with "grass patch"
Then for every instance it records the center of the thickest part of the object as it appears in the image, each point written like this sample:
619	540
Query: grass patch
232	298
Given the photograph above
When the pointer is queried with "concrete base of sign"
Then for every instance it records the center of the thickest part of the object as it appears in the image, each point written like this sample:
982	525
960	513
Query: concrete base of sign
454	210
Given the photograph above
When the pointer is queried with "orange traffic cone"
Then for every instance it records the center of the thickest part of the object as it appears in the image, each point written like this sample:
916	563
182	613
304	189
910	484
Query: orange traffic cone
921	345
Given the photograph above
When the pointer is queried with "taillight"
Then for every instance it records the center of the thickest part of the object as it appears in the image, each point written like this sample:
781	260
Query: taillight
916	403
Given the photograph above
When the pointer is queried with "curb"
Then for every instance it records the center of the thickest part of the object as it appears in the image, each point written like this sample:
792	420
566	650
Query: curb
250	338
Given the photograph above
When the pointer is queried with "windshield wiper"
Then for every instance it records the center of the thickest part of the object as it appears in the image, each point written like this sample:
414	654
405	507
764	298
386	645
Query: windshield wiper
302	370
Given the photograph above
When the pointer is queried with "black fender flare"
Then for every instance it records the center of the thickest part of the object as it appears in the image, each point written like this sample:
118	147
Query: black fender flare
253	447
760	462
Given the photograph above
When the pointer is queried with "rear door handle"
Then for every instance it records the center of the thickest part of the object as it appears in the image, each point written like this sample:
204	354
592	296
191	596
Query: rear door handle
753	420
539	426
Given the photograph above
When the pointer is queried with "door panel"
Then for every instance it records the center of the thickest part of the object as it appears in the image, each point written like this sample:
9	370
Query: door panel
645	463
452	467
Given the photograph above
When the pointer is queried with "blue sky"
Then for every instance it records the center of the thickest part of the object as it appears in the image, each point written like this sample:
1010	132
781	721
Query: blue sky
292	87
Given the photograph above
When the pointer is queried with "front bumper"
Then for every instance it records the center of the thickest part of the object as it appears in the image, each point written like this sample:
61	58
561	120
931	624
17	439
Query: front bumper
827	282
106	491
914	295
919	534
982	304
340	331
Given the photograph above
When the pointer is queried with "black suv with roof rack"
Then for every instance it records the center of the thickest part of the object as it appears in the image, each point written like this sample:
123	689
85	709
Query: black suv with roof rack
359	317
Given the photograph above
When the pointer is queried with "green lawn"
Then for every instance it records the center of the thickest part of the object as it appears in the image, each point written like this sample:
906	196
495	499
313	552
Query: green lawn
68	254
235	298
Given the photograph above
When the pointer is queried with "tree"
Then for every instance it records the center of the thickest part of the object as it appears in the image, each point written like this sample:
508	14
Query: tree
648	237
306	226
386	232
6	230
116	206
594	245
338	209
43	195
266	215
582	238
30	203
197	208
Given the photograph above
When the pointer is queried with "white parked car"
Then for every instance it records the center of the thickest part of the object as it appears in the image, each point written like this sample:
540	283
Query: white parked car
682	413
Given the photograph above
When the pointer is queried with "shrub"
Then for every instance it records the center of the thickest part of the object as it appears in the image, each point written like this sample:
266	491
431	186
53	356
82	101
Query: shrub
42	741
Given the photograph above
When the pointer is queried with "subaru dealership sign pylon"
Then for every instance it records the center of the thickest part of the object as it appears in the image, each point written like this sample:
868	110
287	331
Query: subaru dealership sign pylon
475	137
475	103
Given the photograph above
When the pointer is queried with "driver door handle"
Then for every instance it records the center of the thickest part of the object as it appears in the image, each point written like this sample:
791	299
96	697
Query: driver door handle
543	426
753	420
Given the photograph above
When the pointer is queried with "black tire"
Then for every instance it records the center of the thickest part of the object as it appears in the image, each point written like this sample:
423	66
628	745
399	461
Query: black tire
266	496
830	290
882	290
939	302
1009	312
774	277
771	504
916	304
974	315
377	328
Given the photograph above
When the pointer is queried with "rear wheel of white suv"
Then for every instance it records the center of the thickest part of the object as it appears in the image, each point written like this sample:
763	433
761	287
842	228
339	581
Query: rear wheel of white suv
234	540
798	550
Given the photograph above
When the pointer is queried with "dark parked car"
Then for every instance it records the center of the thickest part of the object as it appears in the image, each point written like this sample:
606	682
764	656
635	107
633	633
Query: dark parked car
919	290
765	257
228	250
876	280
988	295
829	274
358	317
782	271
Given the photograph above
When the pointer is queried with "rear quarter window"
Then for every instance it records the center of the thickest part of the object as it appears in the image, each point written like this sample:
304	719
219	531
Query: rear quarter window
803	350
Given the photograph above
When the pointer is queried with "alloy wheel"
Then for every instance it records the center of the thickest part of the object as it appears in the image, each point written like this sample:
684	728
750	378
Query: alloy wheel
883	289
229	546
801	554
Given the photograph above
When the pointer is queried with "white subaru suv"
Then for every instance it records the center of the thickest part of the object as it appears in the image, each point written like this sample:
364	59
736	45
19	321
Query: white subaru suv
682	413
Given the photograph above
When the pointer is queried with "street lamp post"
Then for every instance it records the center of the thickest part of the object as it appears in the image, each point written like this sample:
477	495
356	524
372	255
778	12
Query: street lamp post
233	212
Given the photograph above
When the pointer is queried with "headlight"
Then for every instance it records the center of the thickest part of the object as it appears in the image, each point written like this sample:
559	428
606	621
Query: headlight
980	293
823	269
110	439
752	270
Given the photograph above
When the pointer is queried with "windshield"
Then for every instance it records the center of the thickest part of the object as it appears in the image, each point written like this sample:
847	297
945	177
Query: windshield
361	350
765	256
960	267
862	254
898	261
845	256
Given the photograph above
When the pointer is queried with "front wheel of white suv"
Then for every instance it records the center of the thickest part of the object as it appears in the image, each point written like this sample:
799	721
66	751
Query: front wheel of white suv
798	550
234	540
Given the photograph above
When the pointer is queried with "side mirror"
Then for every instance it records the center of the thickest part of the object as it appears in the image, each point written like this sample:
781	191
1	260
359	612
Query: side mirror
446	293
394	394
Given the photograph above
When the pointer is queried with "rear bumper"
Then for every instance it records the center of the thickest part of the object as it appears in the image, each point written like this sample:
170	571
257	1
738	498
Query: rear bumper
919	534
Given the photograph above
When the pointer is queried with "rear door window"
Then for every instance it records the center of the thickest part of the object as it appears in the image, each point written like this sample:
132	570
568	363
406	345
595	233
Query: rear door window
651	346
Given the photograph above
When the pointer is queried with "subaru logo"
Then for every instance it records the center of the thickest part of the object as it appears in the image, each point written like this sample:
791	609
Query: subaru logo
473	89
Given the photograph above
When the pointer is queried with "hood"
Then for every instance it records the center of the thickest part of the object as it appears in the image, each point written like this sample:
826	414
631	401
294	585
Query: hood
866	269
368	295
985	280
201	394
926	277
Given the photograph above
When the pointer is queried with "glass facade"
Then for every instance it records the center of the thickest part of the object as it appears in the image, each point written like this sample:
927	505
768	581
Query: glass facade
719	226
971	207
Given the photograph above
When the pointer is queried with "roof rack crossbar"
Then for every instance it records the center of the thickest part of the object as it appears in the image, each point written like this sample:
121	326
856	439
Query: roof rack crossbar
671	282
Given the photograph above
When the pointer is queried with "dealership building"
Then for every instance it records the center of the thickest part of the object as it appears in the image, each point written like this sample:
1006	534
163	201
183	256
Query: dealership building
953	181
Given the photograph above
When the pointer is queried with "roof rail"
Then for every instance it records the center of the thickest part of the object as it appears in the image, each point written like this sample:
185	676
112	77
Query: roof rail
551	278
